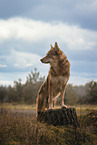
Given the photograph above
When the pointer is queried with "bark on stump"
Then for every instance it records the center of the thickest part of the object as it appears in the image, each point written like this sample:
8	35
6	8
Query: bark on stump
63	116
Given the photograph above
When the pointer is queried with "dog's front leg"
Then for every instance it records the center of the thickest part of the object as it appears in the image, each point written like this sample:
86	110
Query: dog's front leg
50	93
62	98
50	100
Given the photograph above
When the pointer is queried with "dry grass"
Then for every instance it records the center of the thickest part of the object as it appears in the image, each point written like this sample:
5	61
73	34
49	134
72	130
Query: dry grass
81	109
17	128
17	106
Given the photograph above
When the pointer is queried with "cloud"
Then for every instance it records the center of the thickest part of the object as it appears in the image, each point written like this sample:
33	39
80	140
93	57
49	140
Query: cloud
6	83
84	66
82	78
24	41
20	61
3	65
79	80
81	13
23	60
33	31
8	78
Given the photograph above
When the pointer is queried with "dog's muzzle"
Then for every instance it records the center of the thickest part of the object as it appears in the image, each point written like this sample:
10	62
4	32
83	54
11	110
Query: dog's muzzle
44	61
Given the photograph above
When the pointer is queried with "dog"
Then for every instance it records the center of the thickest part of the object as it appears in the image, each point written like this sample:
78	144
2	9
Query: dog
55	84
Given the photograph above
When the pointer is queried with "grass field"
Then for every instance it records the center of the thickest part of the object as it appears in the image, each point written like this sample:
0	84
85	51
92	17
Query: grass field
19	126
81	109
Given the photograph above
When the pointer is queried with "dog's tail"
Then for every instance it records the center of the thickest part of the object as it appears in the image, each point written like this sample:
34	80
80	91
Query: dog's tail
40	104
37	107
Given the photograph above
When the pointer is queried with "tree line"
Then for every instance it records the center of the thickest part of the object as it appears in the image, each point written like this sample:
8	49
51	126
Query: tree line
27	93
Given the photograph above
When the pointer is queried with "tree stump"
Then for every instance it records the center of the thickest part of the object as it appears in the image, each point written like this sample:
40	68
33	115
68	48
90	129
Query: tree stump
63	116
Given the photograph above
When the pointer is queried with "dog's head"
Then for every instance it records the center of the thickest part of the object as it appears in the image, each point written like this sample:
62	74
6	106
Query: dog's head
52	55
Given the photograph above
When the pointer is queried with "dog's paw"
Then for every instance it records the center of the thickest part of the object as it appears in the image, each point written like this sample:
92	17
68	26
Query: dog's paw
51	107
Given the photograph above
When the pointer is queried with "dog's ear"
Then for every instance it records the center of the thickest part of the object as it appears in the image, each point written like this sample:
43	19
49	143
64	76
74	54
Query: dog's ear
51	46
56	45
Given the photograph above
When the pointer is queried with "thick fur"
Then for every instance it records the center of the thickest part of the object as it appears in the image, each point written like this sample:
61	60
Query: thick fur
56	81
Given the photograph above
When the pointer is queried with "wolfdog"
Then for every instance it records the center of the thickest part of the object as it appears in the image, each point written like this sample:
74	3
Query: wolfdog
56	81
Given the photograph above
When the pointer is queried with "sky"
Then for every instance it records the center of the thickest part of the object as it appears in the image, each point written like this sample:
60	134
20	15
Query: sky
28	27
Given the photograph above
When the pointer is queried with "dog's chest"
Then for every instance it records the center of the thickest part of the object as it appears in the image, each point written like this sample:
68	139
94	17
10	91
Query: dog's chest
59	82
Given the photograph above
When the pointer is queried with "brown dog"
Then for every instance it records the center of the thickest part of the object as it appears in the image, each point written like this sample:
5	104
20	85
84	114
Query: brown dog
56	81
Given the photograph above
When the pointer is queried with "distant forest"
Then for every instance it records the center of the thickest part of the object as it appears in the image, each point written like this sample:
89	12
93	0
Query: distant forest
27	93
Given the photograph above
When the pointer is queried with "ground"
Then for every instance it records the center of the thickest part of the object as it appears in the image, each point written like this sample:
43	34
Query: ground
18	125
